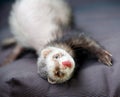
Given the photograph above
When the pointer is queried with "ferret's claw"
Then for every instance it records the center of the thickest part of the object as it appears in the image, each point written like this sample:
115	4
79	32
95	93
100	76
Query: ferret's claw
108	53
105	57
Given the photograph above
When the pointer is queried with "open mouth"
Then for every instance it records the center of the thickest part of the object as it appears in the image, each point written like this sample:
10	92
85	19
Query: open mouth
59	74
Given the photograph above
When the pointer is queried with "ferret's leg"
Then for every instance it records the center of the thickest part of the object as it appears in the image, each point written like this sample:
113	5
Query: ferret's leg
15	53
92	46
76	41
8	42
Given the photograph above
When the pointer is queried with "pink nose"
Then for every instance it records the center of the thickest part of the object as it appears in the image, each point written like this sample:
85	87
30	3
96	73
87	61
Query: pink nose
67	64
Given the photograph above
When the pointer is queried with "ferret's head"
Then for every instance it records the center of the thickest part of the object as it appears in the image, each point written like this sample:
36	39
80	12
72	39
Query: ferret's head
56	65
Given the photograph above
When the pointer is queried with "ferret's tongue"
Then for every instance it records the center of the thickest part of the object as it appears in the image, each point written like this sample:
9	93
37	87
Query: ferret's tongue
67	64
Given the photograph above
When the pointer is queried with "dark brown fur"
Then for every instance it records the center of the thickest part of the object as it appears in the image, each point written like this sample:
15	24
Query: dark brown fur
75	40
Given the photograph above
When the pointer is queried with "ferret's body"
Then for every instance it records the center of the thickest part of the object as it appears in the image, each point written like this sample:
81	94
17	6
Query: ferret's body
39	24
36	22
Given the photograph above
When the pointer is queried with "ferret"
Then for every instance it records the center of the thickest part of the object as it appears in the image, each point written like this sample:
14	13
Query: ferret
47	27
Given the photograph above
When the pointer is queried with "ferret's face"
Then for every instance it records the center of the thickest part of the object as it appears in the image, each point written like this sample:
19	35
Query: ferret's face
59	64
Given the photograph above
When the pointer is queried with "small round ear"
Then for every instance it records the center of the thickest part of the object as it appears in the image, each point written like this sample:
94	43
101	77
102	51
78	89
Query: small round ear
45	52
51	81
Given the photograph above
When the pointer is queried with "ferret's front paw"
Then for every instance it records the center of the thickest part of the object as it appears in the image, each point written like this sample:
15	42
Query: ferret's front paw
105	57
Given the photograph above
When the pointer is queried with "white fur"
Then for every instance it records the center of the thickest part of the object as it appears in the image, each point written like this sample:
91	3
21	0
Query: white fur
33	22
51	65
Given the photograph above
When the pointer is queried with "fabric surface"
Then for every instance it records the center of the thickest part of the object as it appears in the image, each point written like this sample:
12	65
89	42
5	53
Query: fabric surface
101	20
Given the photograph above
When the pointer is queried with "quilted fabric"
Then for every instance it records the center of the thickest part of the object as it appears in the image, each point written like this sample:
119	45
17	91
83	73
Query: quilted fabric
101	19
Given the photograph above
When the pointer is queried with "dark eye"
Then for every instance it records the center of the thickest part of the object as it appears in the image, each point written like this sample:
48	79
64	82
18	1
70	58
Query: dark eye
56	57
